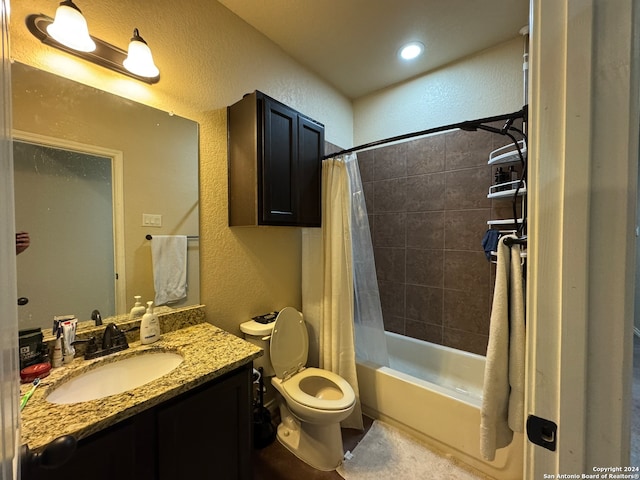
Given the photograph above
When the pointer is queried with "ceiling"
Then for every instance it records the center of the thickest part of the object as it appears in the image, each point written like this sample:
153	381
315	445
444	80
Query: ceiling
353	44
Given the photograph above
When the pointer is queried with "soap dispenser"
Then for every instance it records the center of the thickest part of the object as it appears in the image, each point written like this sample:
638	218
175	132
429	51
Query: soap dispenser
150	326
138	309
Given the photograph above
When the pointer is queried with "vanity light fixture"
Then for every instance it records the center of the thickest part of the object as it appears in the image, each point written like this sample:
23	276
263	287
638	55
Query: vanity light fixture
137	63
69	27
139	59
411	50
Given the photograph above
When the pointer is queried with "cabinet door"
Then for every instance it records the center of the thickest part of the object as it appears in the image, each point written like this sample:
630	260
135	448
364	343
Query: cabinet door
309	171
207	434
279	169
125	451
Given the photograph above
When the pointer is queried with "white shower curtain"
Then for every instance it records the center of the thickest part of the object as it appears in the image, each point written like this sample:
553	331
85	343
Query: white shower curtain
371	343
329	256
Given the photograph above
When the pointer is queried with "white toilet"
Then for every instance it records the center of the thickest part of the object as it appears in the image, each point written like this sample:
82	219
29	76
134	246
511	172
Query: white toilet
313	401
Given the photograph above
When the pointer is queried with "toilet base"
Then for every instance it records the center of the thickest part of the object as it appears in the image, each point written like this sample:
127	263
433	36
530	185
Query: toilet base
319	446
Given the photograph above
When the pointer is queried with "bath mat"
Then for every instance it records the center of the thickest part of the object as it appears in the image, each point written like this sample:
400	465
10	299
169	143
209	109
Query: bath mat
386	452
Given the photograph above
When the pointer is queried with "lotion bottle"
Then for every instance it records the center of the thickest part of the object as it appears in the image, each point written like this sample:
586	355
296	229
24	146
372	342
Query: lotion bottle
150	326
56	360
138	309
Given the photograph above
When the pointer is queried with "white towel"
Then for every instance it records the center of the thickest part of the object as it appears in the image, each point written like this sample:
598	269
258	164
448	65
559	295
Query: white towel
502	410
169	255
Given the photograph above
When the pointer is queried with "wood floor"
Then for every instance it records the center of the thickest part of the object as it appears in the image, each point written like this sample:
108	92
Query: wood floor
275	462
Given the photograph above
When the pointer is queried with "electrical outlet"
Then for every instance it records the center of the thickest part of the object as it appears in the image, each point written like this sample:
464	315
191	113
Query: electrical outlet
151	220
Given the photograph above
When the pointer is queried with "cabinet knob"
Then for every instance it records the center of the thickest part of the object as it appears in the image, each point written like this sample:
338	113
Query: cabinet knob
55	454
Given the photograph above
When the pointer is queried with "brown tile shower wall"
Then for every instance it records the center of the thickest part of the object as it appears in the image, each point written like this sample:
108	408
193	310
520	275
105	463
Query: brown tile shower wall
428	210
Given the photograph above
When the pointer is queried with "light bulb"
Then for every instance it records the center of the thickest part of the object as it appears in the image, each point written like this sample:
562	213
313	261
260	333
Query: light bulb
411	50
69	28
139	59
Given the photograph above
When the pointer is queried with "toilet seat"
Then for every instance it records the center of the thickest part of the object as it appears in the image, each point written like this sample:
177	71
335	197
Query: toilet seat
289	349
294	390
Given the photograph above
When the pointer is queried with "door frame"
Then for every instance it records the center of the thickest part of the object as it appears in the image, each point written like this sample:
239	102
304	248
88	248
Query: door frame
117	194
583	158
9	387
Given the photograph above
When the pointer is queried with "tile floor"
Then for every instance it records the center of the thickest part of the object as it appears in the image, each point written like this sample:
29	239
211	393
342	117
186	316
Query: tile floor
275	462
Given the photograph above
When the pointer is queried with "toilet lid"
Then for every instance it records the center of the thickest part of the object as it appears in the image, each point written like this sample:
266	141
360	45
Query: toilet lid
289	343
256	329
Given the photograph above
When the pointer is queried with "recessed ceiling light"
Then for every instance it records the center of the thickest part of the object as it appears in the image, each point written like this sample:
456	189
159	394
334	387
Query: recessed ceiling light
411	50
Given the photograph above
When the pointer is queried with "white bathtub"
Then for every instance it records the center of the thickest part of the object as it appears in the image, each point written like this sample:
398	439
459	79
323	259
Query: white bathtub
435	393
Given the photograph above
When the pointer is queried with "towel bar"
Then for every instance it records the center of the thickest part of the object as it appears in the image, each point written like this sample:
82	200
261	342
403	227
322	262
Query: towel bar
189	237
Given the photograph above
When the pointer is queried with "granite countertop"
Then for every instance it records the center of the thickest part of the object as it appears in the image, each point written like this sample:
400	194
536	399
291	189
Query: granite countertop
208	353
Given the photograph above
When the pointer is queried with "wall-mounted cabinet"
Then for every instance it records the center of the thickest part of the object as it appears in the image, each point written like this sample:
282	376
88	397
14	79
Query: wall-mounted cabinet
275	156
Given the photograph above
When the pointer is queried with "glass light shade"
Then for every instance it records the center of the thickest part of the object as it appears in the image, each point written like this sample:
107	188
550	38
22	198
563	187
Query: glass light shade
411	50
139	59
69	28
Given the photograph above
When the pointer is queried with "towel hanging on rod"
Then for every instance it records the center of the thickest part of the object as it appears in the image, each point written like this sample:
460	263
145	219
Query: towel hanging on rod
169	260
502	410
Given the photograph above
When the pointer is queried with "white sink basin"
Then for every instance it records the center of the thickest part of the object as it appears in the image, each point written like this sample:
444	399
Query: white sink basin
115	377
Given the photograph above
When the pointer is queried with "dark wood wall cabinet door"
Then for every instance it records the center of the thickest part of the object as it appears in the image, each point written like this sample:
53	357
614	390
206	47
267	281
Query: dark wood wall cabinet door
275	156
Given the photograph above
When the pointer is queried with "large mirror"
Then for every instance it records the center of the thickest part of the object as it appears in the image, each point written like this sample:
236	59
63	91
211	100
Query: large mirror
95	174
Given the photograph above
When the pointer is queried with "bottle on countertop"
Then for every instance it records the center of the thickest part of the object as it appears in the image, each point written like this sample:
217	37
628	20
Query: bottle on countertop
138	309
56	360
150	326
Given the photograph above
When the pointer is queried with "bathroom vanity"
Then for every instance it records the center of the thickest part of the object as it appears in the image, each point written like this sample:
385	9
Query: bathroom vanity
194	422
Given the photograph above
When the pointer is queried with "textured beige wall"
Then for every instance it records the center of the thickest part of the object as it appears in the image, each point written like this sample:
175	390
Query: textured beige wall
482	85
208	59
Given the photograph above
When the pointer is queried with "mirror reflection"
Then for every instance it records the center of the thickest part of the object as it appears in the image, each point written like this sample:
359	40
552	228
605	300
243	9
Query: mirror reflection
89	166
64	200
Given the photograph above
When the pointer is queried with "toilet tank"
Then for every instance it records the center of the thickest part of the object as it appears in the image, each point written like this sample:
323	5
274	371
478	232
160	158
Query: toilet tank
260	334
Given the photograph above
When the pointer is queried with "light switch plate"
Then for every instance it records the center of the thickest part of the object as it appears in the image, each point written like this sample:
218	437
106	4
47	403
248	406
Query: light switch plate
151	220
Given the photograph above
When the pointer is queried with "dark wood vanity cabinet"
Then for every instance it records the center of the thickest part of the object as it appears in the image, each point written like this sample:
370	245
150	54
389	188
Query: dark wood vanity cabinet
203	433
121	451
208	433
275	156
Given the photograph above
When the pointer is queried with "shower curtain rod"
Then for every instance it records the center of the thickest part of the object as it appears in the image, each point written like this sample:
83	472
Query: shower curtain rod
469	125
